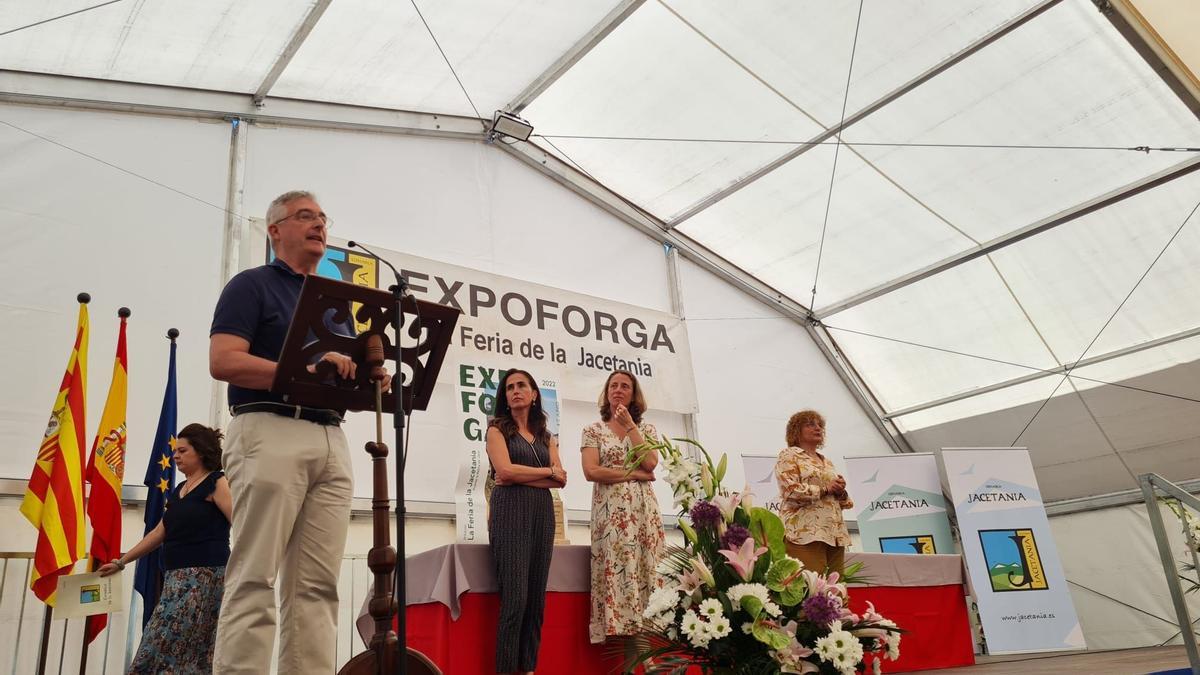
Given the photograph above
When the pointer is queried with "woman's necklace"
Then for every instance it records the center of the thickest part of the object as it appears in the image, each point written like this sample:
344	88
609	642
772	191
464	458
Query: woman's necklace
190	484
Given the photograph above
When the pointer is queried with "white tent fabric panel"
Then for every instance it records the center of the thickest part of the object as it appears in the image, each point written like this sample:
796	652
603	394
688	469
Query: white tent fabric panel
217	44
464	203
1065	79
967	310
379	53
73	224
1110	558
773	228
648	79
759	368
896	42
1072	279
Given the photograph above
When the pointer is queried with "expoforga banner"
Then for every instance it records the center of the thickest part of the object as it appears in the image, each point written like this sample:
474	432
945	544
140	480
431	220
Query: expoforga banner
1024	602
898	504
539	328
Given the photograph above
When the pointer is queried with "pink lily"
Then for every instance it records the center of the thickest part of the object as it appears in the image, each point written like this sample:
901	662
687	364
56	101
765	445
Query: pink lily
743	558
689	581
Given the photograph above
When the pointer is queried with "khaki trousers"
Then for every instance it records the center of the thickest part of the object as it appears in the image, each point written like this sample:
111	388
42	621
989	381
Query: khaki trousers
817	556
292	484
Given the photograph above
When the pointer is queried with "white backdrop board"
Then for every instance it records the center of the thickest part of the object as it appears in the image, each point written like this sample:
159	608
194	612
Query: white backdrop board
898	503
1017	576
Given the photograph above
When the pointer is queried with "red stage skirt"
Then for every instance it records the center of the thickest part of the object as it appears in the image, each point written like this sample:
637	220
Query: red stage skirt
938	634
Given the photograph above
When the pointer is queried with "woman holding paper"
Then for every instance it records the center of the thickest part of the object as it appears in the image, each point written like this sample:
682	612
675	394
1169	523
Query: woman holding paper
627	529
194	535
524	457
813	496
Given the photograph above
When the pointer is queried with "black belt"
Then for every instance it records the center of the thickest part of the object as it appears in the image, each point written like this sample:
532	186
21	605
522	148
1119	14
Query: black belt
318	415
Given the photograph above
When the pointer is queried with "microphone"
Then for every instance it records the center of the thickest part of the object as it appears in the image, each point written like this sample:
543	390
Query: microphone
399	279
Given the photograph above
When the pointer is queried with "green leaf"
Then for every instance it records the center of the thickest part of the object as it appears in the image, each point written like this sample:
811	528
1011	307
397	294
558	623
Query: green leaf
752	606
772	637
767	529
781	573
784	578
793	595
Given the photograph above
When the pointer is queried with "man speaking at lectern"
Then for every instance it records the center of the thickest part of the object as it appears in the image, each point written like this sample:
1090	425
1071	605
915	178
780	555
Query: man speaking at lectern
288	466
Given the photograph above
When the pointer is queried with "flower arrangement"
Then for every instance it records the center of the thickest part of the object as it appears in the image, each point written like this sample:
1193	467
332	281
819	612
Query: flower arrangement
732	601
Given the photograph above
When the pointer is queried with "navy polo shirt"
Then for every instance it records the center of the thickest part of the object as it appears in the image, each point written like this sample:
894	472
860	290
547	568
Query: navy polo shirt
257	305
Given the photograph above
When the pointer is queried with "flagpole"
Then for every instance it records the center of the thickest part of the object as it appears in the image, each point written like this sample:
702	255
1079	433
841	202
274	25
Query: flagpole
41	664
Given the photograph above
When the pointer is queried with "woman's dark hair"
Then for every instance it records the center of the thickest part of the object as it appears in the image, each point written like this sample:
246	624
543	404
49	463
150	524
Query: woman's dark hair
206	442
537	416
637	401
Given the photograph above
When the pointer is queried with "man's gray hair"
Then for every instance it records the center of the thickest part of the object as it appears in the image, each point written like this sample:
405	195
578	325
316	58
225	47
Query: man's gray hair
278	207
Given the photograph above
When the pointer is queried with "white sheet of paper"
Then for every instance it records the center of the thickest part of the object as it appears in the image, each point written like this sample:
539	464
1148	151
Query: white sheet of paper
87	594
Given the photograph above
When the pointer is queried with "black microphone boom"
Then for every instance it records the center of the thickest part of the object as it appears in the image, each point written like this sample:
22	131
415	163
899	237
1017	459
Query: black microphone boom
399	278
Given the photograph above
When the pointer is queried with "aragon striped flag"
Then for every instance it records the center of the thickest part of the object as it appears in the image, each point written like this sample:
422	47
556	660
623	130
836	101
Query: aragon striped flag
106	469
54	499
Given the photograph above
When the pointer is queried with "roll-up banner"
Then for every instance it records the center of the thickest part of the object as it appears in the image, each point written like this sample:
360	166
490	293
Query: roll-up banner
1024	602
760	478
898	504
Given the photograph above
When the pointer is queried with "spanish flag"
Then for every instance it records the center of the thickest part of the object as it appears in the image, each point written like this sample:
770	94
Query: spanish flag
54	499
106	469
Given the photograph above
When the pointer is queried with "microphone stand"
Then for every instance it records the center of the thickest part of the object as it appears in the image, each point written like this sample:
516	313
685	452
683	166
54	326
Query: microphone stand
398	587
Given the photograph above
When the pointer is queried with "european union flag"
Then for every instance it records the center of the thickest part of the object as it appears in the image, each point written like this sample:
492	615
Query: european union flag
160	480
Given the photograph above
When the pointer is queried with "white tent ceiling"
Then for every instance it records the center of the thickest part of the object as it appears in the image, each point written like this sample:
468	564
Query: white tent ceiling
966	123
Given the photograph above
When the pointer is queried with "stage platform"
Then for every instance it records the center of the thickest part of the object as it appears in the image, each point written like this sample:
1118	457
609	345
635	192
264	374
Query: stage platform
1115	662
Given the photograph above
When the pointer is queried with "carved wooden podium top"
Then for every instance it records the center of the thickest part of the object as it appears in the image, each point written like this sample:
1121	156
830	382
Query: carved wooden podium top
326	302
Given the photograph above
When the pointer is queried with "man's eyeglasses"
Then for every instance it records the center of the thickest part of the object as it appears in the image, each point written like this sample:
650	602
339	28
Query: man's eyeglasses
307	217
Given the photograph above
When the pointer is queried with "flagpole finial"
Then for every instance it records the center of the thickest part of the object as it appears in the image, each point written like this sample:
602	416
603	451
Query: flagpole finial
84	298
172	333
124	312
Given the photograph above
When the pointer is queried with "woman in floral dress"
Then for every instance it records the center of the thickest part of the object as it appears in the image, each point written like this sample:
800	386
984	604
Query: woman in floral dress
813	496
627	529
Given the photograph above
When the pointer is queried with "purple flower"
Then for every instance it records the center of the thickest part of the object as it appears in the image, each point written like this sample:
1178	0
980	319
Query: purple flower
734	536
822	609
705	514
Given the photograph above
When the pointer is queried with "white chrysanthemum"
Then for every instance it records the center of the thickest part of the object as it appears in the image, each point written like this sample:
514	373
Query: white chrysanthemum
747	627
771	609
665	619
893	646
690	623
826	648
711	609
662	600
701	637
720	627
844	643
739	591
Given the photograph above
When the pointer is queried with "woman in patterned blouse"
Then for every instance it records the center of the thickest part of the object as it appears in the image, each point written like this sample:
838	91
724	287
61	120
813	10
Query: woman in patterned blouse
813	496
627	529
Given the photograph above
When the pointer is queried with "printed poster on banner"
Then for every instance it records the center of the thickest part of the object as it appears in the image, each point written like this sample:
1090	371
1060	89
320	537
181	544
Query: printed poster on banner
476	396
760	478
1024	602
898	504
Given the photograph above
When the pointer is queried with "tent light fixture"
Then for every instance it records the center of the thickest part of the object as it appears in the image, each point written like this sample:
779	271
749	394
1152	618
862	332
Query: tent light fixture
508	124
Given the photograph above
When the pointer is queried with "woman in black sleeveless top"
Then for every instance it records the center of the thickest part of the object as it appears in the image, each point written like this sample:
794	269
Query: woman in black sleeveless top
524	457
194	535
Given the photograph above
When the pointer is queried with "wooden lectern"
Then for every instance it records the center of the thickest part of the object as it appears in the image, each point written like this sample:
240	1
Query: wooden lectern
323	305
